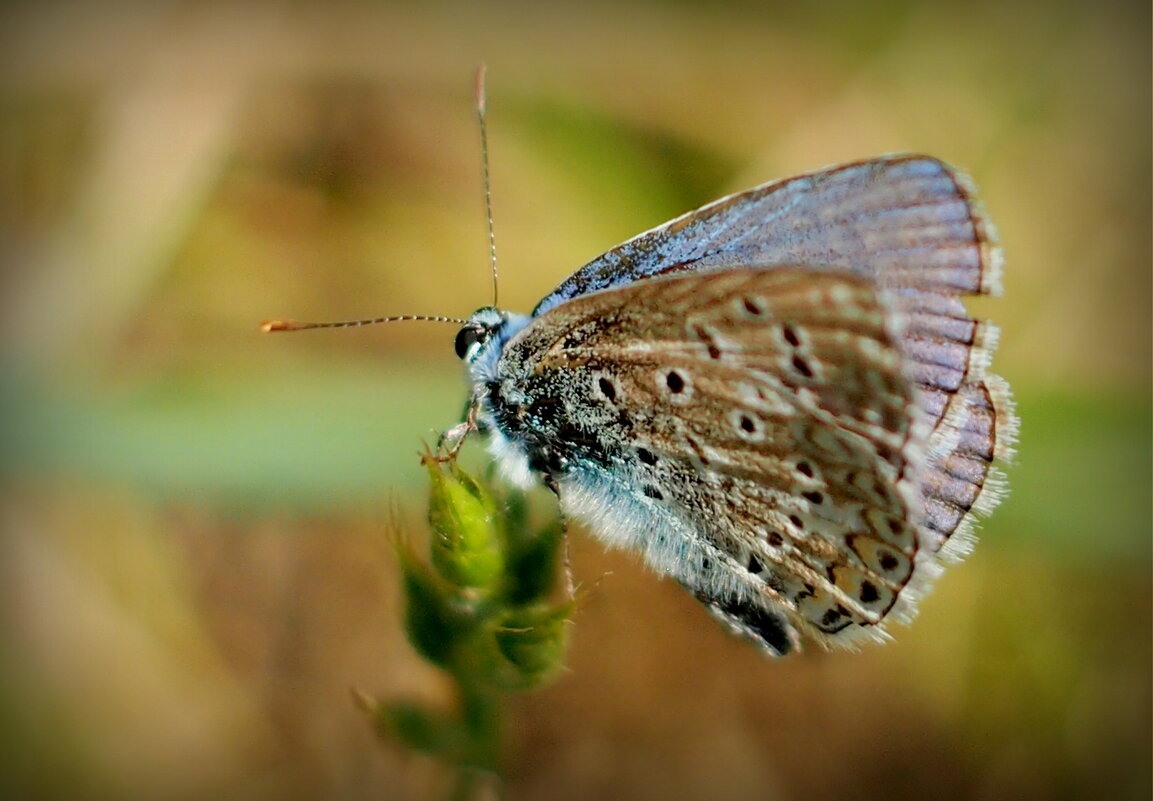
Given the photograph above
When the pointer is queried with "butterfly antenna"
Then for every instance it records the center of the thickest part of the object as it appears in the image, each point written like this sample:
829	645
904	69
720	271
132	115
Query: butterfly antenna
293	325
481	105
481	109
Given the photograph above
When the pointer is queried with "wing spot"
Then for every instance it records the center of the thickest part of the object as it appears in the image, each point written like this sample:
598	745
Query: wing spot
702	333
869	592
653	492
805	469
675	382
832	617
796	521
754	565
802	367
775	539
888	562
814	497
790	335
646	456
607	388
748	426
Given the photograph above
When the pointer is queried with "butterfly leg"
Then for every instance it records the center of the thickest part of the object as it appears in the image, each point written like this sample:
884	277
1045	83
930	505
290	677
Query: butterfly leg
449	443
566	559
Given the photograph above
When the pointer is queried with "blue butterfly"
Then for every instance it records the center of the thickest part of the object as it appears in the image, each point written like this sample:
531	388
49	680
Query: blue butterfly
779	399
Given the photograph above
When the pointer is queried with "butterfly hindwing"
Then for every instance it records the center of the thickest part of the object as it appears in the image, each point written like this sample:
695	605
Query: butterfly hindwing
908	224
766	419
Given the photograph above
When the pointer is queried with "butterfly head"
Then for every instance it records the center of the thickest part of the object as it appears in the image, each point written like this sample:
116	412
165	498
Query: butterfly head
477	331
482	337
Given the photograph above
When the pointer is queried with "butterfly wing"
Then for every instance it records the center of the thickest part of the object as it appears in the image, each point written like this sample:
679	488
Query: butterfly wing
753	432
909	225
906	221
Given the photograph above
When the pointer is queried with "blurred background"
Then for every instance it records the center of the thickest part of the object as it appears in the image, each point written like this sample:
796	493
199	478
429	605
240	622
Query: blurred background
195	564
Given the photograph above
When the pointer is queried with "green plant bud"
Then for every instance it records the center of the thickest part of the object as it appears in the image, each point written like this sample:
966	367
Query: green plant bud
434	625
533	564
534	642
466	548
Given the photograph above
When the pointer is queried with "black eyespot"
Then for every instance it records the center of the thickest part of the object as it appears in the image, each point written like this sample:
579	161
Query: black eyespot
646	456
790	335
747	424
607	389
653	493
831	620
802	367
675	381
468	337
701	333
805	468
815	498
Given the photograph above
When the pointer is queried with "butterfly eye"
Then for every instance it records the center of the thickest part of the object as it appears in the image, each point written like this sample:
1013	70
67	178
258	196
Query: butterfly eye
468	339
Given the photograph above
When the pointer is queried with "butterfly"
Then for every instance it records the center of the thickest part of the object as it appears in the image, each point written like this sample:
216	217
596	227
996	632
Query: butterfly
779	399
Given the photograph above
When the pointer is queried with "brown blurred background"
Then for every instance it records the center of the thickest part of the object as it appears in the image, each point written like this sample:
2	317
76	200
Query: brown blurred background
194	564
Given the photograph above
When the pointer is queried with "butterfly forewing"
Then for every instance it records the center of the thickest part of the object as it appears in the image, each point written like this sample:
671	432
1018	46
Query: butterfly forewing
902	221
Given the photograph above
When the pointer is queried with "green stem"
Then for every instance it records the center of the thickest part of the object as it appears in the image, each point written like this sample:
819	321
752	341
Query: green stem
480	713
478	776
